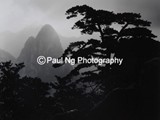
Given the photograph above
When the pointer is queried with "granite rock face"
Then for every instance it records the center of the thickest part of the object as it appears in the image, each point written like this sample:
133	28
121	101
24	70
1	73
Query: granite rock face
46	43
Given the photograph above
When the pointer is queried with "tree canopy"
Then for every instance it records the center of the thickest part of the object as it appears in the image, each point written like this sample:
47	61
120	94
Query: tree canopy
22	97
124	35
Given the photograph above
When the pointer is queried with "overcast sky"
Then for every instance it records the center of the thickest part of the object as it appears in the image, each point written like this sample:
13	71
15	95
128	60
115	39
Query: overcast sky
15	15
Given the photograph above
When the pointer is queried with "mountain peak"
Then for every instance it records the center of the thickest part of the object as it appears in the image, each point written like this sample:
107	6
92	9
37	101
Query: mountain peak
47	28
46	43
48	38
47	32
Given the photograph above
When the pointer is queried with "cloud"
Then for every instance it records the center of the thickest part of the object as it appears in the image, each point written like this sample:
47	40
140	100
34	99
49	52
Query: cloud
17	14
44	4
149	9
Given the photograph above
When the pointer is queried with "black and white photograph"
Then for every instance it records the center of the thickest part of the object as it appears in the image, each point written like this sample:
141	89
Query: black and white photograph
79	60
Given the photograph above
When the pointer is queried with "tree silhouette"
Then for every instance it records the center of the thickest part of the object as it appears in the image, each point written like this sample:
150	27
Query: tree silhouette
125	42
122	35
23	98
8	89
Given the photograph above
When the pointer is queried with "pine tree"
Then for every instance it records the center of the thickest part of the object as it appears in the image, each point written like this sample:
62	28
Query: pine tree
122	35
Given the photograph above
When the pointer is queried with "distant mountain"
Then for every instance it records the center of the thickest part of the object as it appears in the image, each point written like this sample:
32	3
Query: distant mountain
46	43
13	42
5	56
